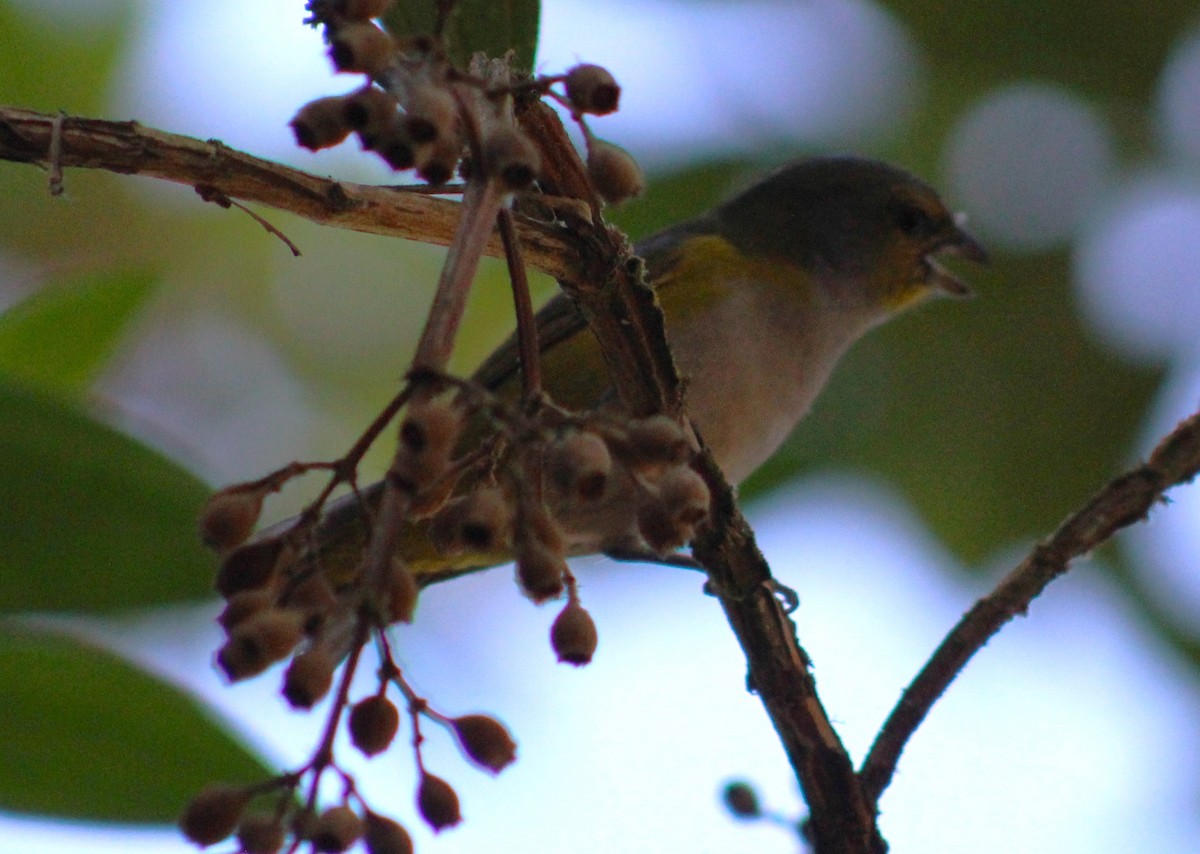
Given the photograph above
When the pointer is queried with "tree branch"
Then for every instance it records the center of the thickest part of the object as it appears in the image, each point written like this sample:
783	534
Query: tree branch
129	148
1124	501
595	265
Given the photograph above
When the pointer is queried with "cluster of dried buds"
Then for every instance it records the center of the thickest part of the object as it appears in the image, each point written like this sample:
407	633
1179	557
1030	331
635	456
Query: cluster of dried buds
478	480
415	110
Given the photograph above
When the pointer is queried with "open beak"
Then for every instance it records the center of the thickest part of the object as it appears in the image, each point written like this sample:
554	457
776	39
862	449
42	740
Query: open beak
958	243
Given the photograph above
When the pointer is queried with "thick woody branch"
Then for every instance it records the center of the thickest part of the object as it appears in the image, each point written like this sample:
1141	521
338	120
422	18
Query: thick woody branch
1124	501
129	148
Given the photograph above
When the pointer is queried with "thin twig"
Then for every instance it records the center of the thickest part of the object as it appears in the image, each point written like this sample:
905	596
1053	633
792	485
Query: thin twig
56	151
1124	501
527	333
212	194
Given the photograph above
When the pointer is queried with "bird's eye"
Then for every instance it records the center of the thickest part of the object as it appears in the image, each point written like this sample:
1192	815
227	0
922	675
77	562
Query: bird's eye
913	221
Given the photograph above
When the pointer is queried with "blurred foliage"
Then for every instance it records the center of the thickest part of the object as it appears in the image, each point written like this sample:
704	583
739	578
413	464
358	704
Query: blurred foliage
994	417
89	736
62	337
490	26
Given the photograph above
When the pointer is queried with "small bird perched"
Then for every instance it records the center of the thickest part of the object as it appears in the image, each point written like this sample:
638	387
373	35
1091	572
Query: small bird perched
761	296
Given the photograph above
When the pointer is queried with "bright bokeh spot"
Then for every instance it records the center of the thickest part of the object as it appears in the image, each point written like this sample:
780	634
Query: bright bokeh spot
1138	270
1029	161
1179	100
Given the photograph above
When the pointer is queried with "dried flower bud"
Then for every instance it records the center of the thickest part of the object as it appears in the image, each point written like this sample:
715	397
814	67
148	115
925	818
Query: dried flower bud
260	833
336	829
312	596
741	800
396	149
573	635
430	113
437	802
436	162
613	172
427	436
321	123
372	113
384	836
248	567
258	642
309	677
579	464
540	571
480	521
510	157
657	440
213	814
657	526
362	10
241	606
361	48
373	724
485	741
592	89
685	496
402	593
229	517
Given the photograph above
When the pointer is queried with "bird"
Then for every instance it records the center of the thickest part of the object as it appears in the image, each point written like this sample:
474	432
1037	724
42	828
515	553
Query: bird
761	297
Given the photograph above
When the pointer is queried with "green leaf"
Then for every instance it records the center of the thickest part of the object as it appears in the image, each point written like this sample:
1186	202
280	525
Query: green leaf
1112	50
490	26
48	66
91	519
59	338
89	736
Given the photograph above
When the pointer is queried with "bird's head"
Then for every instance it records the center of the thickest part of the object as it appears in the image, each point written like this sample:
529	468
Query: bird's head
872	232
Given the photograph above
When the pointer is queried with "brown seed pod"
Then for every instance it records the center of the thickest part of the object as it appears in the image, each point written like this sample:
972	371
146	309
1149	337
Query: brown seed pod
260	833
573	635
309	677
430	113
248	567
657	440
312	596
437	802
741	800
229	517
613	172
540	571
213	814
373	724
362	10
592	89
511	158
480	521
437	161
427	436
485	741
260	641
321	123
371	112
685	496
579	464
396	149
336	829
361	48
661	531
241	606
402	593
384	836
